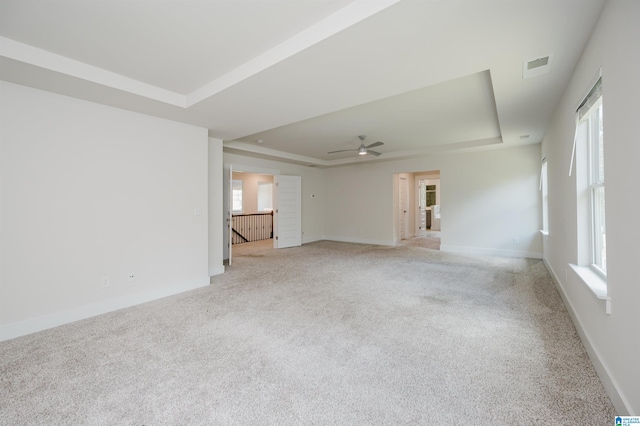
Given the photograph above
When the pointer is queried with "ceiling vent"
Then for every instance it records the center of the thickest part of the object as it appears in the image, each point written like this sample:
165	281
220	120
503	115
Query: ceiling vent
536	67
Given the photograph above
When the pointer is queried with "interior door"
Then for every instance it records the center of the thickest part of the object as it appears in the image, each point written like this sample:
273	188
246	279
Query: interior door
230	212
288	214
402	203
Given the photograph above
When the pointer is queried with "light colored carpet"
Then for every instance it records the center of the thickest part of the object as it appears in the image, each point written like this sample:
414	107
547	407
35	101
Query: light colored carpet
328	333
431	241
252	248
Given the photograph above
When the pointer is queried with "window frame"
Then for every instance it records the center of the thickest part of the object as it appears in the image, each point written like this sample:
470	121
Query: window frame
596	187
593	276
235	184
265	195
544	190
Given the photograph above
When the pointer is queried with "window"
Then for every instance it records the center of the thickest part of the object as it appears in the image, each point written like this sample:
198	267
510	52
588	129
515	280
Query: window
591	183
265	196
236	196
592	119
588	146
596	188
544	189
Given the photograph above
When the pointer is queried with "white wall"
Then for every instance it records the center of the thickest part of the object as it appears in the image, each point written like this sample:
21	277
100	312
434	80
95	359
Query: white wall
613	341
488	198
90	191
216	208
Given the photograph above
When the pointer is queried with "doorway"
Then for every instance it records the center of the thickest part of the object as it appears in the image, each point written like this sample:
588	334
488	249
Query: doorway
418	206
251	227
403	206
263	211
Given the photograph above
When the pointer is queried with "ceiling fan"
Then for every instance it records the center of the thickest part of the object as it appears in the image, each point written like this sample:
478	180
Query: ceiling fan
363	149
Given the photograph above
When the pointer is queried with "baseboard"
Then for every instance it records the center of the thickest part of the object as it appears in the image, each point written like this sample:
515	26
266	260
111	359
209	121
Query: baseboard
360	240
216	270
491	252
311	239
33	325
610	385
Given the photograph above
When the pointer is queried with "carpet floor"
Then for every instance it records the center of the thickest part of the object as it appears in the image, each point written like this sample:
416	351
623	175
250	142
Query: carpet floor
324	334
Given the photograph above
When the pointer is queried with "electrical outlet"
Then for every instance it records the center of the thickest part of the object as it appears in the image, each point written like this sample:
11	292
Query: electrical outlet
516	241
104	282
132	277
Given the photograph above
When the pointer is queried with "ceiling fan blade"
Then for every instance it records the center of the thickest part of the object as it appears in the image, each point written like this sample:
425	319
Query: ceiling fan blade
377	154
342	150
374	144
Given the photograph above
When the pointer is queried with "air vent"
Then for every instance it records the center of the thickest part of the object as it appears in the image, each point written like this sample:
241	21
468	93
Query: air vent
540	62
536	67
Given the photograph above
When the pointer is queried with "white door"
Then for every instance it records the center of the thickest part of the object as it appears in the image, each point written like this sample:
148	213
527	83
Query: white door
288	215
402	203
230	212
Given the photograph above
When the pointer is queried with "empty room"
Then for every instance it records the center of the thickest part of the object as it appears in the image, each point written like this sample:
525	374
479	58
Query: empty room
319	212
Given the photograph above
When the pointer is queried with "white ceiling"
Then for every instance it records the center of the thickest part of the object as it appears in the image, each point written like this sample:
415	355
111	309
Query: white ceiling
308	77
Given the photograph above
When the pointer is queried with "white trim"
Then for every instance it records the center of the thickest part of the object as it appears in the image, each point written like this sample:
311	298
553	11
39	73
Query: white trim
312	239
33	325
595	282
482	251
242	148
41	58
620	402
239	168
342	19
216	270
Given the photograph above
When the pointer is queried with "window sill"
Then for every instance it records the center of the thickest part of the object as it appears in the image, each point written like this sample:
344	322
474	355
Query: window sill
544	232
596	283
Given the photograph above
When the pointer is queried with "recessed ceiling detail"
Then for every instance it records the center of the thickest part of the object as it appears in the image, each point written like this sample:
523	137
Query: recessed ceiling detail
305	77
447	113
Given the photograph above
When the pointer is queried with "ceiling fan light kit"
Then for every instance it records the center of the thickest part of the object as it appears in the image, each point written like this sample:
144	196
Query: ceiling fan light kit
363	149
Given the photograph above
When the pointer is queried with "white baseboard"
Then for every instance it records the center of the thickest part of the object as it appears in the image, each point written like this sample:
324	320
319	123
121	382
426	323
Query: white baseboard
621	404
216	270
481	251
33	325
311	239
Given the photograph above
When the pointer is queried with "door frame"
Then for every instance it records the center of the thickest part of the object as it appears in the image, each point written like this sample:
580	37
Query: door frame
404	201
227	253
